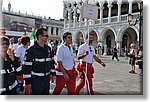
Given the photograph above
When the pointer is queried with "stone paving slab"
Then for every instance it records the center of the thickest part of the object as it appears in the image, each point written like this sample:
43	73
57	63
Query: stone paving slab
114	79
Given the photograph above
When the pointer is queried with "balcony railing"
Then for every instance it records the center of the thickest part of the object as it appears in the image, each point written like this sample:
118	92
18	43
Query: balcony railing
114	19
123	18
22	14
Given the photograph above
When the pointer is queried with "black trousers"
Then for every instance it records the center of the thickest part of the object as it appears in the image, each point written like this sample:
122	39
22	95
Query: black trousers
10	92
114	56
40	85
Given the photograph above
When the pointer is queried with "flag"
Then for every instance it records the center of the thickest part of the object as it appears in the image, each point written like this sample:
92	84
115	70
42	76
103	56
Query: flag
32	37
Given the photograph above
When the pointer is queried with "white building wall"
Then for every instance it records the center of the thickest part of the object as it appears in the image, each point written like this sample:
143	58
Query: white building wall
117	24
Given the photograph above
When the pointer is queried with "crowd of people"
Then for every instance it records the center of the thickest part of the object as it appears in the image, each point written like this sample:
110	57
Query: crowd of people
29	69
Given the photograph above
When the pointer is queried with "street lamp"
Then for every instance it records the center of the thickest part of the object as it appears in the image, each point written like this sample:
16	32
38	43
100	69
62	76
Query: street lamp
140	19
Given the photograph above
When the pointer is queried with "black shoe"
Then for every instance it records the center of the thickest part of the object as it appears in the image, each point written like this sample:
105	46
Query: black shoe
141	74
131	71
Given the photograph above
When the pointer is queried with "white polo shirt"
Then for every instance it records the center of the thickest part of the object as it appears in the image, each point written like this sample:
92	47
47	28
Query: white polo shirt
20	52
65	55
85	47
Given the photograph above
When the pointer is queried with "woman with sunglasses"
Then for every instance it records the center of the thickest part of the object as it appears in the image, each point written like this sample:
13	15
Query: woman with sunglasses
86	54
9	69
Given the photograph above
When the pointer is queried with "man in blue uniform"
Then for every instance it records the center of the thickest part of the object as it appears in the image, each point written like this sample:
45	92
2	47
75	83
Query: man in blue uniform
38	65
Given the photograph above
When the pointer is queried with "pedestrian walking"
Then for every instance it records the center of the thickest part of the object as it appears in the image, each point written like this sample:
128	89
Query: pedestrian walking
38	65
126	53
10	68
65	71
132	54
115	54
140	60
86	54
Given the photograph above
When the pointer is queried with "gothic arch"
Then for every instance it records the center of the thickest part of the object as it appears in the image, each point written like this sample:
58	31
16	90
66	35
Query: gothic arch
102	34
79	37
123	29
78	31
94	30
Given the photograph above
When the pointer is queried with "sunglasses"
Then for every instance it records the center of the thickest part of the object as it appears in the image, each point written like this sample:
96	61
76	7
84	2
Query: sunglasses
2	44
90	49
45	35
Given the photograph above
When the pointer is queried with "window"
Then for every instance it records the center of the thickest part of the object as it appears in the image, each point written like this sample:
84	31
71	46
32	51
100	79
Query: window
52	31
57	31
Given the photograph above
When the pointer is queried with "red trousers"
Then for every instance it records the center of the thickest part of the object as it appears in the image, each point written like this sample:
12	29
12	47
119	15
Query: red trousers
60	83
90	70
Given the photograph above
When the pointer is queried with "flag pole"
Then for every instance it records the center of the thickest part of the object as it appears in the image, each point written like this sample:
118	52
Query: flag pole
89	12
86	69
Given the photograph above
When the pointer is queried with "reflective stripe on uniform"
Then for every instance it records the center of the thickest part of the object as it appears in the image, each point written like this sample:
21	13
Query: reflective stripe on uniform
27	76
28	63
53	70
13	85
40	74
2	89
19	69
48	59
10	87
7	71
42	59
52	58
2	72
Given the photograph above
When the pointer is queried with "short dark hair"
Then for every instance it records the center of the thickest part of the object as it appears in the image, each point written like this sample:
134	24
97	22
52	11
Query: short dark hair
88	35
65	35
40	32
4	38
25	40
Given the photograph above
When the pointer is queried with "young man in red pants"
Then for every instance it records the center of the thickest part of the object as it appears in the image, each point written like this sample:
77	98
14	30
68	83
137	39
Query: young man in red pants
65	71
86	54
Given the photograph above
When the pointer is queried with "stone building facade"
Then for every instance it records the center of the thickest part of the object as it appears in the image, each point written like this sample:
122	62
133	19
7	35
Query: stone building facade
17	24
110	29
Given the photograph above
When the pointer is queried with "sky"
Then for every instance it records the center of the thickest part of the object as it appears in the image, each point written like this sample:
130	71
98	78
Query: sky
47	8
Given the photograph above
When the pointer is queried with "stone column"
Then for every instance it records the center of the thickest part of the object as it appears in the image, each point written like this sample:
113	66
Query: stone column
130	6
86	20
69	14
73	39
80	11
1	1
100	47
49	30
80	18
75	18
119	10
105	50
54	30
109	12
119	47
101	13
65	15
